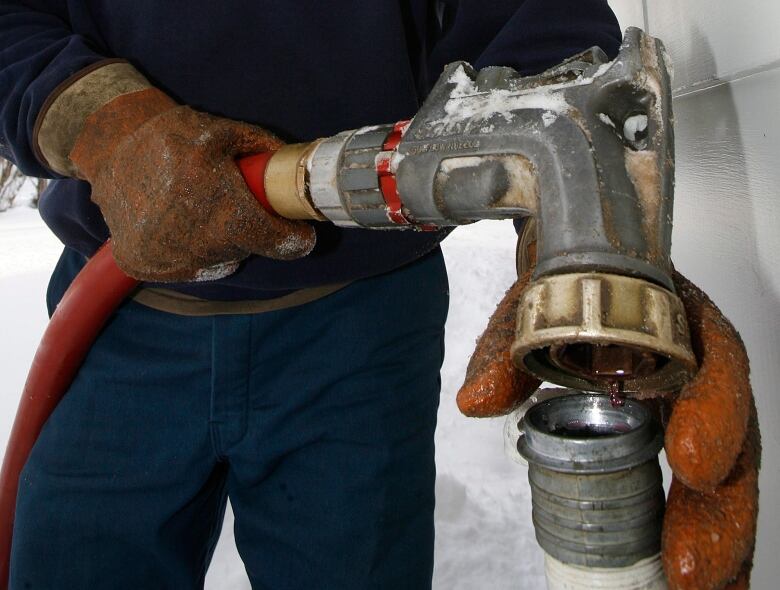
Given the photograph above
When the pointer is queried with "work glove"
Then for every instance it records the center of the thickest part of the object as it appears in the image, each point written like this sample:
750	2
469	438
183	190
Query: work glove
165	178
712	439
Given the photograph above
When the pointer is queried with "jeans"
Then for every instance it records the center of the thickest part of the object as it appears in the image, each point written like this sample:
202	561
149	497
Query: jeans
317	423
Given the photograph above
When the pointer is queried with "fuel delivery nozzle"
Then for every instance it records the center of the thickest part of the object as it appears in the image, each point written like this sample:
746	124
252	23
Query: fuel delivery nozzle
585	148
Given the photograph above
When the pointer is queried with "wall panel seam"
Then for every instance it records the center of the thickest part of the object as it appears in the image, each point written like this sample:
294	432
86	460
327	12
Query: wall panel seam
705	85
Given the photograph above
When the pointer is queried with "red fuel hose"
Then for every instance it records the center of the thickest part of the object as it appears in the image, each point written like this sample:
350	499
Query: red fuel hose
85	308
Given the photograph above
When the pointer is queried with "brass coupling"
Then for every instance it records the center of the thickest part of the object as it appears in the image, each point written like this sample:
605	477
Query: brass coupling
287	182
589	330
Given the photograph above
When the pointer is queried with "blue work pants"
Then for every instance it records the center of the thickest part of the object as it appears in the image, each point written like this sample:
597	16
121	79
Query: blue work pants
316	421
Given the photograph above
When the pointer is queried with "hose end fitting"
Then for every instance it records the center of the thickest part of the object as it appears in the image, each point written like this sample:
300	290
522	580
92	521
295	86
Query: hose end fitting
598	502
280	181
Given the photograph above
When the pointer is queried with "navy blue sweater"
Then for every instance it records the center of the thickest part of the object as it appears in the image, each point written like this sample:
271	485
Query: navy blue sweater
302	68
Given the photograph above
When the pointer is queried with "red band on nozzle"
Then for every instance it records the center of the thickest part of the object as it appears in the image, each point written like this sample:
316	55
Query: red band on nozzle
253	170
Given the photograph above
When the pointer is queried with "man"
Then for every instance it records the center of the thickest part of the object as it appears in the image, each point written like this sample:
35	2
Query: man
290	367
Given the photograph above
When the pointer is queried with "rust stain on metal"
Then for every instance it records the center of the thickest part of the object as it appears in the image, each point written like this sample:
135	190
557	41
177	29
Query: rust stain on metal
523	184
642	168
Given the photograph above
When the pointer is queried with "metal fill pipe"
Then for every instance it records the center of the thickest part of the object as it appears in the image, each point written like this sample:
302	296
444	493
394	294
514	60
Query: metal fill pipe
597	494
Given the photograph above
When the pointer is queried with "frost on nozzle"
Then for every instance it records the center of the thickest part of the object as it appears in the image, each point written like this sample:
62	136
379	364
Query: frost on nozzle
468	104
635	127
368	129
604	118
548	118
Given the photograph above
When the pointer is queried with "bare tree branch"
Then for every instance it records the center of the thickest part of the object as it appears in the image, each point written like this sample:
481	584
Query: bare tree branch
40	186
11	180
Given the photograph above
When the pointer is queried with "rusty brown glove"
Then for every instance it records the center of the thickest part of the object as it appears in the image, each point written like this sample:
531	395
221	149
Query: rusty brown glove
712	439
165	179
713	446
494	386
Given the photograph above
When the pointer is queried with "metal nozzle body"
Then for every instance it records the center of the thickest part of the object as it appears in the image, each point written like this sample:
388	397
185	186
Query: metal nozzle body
587	149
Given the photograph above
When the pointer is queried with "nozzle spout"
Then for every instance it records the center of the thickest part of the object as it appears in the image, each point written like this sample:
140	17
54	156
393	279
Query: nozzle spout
591	330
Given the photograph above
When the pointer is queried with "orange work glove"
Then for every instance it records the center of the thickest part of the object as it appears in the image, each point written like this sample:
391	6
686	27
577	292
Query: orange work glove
165	178
712	439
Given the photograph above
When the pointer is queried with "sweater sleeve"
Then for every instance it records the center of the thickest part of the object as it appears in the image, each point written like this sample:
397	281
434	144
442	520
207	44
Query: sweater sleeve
38	52
528	35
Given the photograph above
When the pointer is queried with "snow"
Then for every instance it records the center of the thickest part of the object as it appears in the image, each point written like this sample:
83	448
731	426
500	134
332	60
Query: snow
548	118
368	129
483	515
606	120
215	272
466	105
633	126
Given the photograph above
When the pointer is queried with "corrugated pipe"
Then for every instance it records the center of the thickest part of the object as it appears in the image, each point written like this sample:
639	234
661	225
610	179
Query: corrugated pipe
596	489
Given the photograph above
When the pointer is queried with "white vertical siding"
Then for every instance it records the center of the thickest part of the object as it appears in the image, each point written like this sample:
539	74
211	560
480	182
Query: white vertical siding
727	210
727	239
630	13
711	39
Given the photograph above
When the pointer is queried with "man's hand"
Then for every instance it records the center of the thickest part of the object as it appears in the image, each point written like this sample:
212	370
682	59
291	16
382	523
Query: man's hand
171	193
712	439
164	177
713	445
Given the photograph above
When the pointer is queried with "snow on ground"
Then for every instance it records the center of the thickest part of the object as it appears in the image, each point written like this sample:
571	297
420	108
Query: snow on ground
28	252
483	516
